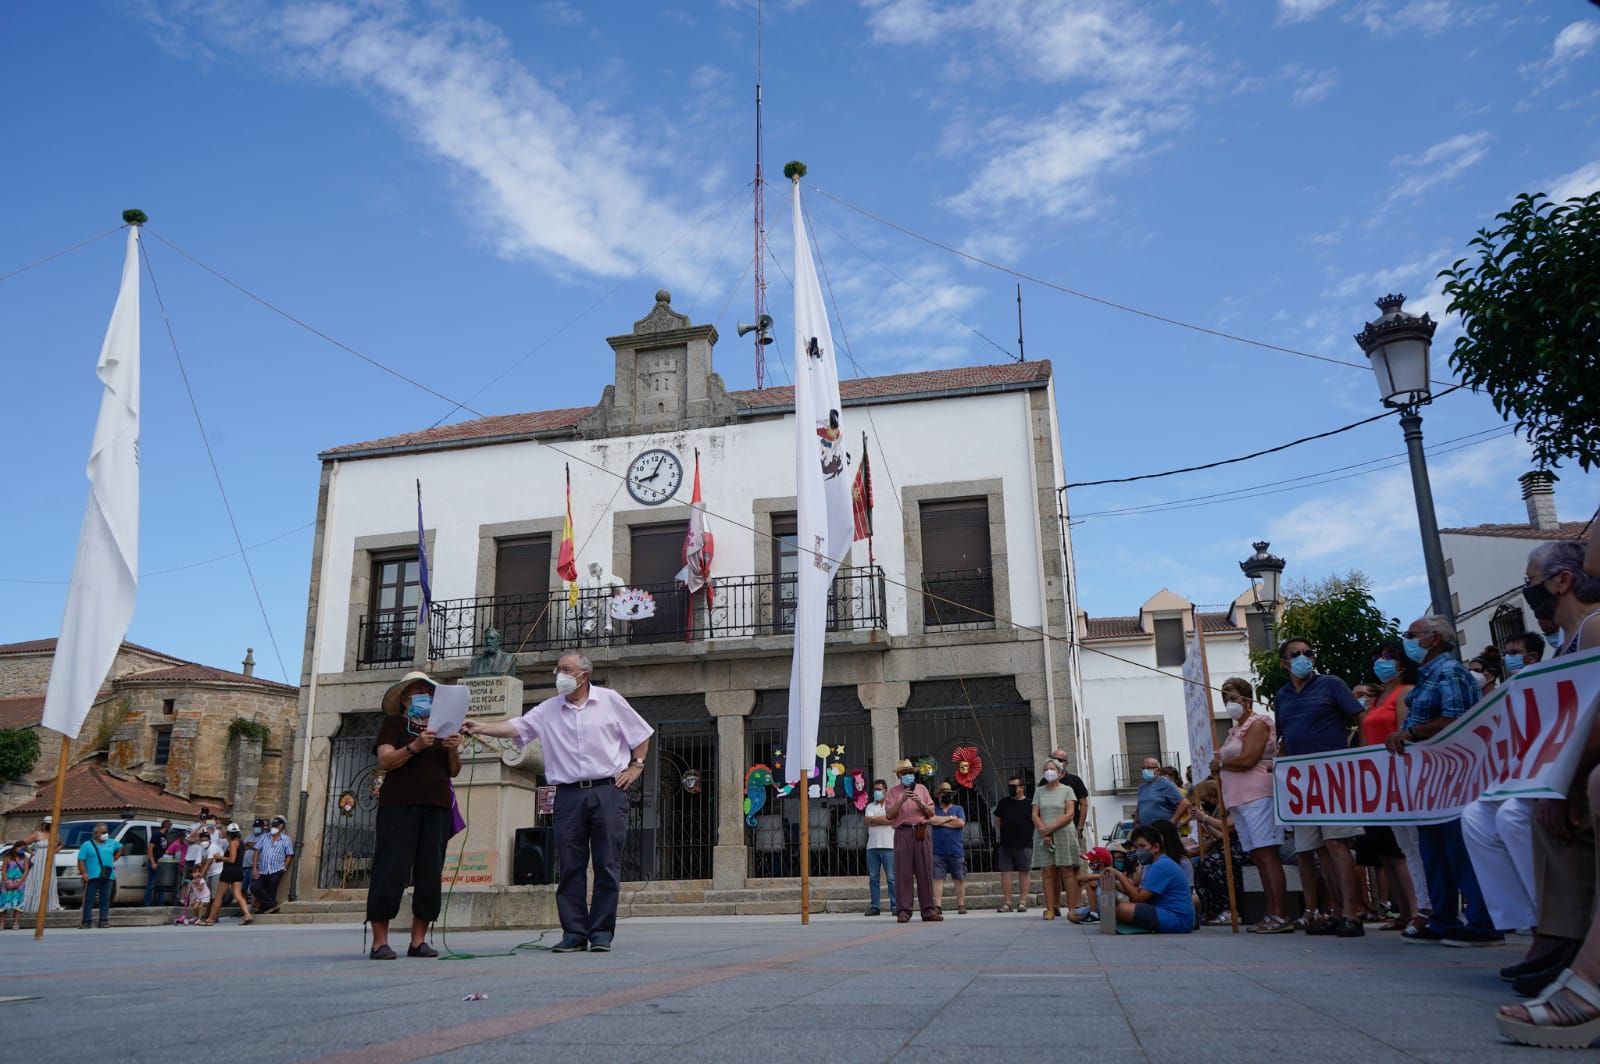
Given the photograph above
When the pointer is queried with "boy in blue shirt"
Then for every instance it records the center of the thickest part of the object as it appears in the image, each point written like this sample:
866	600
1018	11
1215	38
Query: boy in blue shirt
1161	901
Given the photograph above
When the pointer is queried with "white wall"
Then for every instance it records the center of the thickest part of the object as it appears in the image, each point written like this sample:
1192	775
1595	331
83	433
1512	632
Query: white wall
1485	567
915	443
1114	690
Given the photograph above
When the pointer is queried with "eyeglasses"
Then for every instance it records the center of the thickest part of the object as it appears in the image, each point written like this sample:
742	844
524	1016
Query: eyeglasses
1384	655
1299	654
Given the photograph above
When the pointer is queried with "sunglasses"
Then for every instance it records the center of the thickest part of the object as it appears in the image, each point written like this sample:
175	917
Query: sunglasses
1299	654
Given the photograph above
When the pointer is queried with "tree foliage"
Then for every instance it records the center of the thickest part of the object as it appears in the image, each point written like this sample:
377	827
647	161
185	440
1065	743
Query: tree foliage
19	752
1342	623
1530	313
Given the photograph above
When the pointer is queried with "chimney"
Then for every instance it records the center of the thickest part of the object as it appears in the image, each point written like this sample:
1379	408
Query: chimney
1538	491
250	652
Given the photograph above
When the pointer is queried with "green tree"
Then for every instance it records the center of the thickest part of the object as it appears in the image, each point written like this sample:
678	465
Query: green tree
1530	317
1340	620
19	752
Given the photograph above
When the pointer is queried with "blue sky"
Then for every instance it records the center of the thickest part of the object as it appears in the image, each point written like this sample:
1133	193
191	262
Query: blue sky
448	186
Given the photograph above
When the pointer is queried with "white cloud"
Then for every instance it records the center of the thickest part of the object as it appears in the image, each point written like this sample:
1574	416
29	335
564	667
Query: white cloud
1128	81
548	181
1310	86
1291	11
1576	40
561	13
1580	182
1429	17
1440	164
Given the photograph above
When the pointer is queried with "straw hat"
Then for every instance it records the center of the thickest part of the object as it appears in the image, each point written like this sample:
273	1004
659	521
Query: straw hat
903	765
393	700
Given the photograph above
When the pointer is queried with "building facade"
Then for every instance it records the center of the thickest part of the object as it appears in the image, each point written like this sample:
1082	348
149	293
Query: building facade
936	632
1133	695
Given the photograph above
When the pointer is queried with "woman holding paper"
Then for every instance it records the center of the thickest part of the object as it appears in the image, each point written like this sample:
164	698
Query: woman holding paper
413	814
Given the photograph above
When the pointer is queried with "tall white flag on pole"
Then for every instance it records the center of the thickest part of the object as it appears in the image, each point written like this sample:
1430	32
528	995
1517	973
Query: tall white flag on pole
825	524
1197	705
105	576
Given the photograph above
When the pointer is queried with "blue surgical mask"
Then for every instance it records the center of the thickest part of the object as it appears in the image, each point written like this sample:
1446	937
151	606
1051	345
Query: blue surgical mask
1301	667
1514	663
421	706
1148	774
1385	669
877	795
255	831
1414	649
908	780
1144	857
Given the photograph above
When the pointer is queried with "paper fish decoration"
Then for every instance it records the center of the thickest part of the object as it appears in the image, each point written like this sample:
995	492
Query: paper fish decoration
968	764
756	782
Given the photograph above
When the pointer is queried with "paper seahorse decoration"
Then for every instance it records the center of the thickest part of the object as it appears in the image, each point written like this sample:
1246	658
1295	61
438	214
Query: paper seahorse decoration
968	764
855	787
756	782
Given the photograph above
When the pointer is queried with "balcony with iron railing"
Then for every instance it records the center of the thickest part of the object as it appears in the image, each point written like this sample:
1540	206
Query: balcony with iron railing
1126	768
958	599
386	640
743	607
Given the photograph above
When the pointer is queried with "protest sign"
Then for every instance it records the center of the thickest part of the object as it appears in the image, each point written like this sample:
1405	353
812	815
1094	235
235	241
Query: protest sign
1521	741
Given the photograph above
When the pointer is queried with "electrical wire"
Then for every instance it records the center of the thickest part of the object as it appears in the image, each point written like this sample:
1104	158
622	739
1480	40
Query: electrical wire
1125	308
216	472
1517	587
64	251
177	568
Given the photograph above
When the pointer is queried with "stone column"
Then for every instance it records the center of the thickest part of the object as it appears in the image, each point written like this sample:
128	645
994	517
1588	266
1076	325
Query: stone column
884	701
181	754
729	862
246	778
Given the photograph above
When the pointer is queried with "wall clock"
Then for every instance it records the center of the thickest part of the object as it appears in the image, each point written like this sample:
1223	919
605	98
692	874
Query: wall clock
654	477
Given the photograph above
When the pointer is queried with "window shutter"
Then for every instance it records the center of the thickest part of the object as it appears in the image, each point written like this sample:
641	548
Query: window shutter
522	566
1169	641
955	535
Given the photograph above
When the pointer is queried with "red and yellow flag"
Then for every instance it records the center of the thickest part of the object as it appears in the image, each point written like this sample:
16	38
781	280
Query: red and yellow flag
567	558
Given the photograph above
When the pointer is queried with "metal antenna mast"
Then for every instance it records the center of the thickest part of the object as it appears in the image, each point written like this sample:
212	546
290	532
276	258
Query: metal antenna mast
760	223
1021	357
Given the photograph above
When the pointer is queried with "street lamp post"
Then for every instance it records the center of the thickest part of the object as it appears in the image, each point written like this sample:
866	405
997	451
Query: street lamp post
1398	344
1266	570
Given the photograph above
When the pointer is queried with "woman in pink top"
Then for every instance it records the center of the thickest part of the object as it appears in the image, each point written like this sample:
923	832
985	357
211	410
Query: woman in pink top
1244	765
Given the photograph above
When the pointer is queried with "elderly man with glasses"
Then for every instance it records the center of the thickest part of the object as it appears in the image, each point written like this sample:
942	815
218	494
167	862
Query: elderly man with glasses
1444	691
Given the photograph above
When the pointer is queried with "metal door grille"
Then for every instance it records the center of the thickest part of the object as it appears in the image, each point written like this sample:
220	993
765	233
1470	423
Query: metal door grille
672	829
349	838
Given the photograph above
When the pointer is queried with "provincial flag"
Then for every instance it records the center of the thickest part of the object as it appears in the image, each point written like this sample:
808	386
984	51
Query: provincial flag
422	566
699	546
861	495
567	557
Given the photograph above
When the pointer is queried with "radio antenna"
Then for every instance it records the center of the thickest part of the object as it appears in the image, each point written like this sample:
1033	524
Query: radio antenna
760	270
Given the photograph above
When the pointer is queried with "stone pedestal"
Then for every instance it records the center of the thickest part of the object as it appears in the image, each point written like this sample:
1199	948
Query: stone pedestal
729	862
495	697
496	790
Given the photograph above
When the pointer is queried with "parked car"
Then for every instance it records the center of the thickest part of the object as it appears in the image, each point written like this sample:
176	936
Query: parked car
1117	843
132	870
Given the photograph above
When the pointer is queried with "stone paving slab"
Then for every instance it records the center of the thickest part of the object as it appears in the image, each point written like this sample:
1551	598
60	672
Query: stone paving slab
990	986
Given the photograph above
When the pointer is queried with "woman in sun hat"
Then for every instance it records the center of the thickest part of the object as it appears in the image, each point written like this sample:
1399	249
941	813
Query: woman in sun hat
413	814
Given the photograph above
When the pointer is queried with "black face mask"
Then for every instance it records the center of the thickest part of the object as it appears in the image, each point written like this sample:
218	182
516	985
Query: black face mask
1541	600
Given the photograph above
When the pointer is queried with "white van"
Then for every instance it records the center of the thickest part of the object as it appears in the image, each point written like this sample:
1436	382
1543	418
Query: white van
132	870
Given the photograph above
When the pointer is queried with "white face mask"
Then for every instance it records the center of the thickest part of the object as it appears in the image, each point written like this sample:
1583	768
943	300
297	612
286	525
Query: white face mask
565	684
276	830
1051	775
1234	710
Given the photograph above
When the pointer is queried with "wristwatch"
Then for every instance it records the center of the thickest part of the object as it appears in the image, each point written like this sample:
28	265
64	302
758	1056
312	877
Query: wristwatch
636	763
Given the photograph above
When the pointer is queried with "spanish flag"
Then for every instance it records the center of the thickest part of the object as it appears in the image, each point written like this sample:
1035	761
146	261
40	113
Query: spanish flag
567	559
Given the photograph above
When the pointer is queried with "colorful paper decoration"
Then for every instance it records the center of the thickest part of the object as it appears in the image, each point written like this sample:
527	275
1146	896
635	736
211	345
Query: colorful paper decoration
968	763
634	604
756	782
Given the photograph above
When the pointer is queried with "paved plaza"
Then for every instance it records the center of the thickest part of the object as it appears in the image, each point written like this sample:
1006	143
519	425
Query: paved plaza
983	986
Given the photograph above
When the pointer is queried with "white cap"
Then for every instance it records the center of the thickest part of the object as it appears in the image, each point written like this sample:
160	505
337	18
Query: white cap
233	829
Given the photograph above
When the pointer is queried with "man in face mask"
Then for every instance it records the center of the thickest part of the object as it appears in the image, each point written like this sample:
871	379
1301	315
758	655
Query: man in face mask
1159	797
274	854
1013	823
257	829
594	751
1314	713
880	846
1521	651
1080	791
1444	691
910	808
97	865
949	848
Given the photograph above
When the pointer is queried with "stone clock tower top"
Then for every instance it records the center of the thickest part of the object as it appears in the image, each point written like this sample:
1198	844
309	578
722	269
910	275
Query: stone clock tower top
664	379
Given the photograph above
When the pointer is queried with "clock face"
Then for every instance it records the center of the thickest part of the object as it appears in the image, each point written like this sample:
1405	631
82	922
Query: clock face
655	476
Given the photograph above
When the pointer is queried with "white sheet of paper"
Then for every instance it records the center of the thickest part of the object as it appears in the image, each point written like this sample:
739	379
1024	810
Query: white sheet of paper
450	703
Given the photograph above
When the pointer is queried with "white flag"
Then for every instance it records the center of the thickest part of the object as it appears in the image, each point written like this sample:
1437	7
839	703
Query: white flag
1197	704
105	576
825	524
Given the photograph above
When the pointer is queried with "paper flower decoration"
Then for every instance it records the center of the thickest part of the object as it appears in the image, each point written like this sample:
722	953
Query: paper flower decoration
968	764
926	767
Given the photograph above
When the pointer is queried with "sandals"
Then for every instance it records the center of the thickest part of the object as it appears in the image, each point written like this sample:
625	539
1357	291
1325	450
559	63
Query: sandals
1049	914
1554	1022
1006	909
1272	925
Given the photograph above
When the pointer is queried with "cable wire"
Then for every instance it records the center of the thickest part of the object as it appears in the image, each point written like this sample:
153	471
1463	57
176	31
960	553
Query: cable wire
216	472
64	251
178	568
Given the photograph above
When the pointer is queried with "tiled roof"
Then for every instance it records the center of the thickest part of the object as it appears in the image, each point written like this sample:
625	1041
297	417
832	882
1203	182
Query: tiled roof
91	789
1522	530
42	646
854	392
25	711
1128	627
182	673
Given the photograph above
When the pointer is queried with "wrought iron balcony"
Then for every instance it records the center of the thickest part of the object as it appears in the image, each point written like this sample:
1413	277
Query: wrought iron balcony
958	599
744	607
386	640
1126	768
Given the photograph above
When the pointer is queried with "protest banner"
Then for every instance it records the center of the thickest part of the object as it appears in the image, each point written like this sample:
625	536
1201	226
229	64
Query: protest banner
1521	741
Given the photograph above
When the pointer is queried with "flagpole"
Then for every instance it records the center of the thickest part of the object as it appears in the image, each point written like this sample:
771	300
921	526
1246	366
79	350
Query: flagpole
45	885
805	846
1222	802
867	501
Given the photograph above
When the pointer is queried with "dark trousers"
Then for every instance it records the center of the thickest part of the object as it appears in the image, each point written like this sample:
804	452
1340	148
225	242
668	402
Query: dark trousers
410	849
1451	879
97	892
591	823
265	890
150	890
913	866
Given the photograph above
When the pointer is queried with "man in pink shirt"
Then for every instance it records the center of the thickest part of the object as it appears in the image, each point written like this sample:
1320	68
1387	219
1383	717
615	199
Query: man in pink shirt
910	807
594	750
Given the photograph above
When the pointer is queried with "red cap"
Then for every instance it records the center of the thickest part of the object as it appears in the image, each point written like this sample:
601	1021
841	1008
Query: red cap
1098	855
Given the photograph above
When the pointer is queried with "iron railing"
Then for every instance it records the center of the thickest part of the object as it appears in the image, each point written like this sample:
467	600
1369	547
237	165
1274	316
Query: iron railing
386	640
743	607
958	599
1126	768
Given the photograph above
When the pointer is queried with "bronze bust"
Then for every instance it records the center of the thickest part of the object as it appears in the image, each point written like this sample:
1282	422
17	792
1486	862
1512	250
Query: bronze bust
493	661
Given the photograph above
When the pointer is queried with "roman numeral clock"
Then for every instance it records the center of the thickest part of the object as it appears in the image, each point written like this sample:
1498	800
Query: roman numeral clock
654	477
